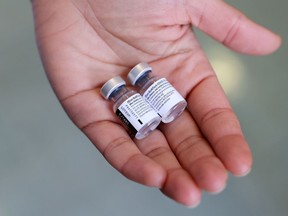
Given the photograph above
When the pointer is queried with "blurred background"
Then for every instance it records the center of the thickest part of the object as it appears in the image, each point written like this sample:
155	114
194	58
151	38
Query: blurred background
48	167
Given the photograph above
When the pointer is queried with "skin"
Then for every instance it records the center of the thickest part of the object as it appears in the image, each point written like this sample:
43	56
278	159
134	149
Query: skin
83	43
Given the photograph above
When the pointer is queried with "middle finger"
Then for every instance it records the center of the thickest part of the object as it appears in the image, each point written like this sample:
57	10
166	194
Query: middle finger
195	154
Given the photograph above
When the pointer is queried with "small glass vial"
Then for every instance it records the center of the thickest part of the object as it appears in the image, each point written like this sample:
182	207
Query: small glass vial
158	92
137	116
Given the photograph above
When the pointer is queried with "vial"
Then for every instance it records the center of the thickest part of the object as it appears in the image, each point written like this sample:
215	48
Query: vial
136	115
158	92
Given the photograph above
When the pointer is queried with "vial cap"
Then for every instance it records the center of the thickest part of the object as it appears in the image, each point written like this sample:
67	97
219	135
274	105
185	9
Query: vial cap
137	71
111	85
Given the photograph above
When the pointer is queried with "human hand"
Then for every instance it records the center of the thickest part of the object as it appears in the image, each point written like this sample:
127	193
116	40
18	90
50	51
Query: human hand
83	43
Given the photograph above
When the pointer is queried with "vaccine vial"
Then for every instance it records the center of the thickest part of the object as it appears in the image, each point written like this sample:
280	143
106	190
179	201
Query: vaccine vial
158	92
137	116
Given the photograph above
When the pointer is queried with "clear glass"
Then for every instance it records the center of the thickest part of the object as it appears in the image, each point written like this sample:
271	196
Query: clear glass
120	95
148	79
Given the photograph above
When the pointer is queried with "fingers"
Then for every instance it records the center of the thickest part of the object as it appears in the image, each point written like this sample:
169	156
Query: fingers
229	26
178	185
212	112
122	153
195	154
150	162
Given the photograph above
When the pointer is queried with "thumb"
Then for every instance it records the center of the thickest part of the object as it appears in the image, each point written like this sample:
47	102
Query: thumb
230	27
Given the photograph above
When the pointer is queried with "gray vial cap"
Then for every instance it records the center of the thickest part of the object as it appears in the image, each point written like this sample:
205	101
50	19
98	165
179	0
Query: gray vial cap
111	85
136	72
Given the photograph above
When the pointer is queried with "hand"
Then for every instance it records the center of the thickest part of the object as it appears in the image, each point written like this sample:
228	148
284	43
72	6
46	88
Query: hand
83	43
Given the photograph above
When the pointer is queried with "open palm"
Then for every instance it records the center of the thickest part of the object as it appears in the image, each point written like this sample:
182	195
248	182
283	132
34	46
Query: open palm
83	43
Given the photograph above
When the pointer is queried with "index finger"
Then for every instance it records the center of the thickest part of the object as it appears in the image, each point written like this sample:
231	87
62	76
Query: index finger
219	124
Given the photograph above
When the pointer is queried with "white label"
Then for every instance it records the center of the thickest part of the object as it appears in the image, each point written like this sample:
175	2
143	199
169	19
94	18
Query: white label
137	111
162	96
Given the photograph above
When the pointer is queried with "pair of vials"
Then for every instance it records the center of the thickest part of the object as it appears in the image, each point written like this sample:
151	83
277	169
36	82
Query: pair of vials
142	112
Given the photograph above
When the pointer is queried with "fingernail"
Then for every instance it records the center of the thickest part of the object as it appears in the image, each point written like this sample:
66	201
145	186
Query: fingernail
194	205
219	190
243	174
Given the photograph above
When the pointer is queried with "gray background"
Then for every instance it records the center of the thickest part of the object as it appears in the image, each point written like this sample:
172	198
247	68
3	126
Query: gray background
48	167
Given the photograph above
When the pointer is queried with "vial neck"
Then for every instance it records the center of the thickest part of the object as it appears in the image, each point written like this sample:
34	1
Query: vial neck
117	93
143	79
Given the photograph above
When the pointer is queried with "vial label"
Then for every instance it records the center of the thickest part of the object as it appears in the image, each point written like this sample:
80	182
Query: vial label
162	96
135	113
128	126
